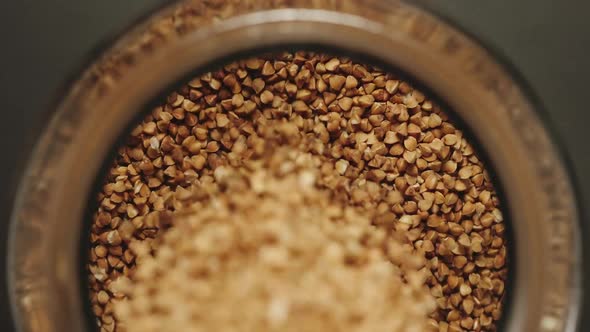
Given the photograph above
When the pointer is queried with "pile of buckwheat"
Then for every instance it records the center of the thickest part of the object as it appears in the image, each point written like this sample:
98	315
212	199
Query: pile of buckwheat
245	256
379	146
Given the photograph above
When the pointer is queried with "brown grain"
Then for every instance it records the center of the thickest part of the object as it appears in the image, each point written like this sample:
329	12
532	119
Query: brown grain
387	147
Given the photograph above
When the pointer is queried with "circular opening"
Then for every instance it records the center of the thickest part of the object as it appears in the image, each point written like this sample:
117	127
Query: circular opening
396	97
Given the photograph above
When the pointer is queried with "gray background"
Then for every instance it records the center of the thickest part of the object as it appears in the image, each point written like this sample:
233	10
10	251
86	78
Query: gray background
44	43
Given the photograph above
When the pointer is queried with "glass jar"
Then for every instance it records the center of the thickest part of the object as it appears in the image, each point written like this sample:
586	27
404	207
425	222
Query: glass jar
190	36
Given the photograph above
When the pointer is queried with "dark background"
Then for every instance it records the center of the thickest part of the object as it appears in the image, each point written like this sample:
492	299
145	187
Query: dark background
45	43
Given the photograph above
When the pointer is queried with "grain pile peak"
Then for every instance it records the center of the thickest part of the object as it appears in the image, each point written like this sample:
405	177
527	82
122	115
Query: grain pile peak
266	249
